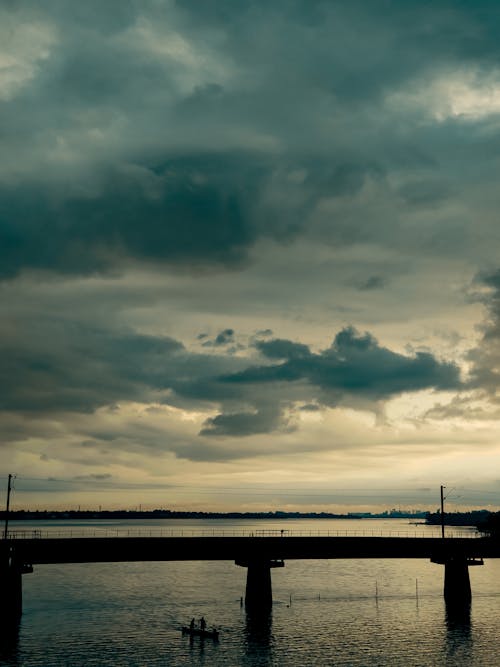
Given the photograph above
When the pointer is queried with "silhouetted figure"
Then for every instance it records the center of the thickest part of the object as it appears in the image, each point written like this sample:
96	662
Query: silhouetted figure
203	624
191	625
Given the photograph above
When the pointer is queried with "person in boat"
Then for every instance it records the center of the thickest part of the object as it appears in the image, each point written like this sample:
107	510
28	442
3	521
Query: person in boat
191	624
203	623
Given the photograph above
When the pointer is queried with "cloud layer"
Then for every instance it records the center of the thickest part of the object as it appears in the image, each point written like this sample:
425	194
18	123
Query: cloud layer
231	230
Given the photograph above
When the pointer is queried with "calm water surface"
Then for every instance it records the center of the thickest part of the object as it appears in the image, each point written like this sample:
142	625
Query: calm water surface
324	612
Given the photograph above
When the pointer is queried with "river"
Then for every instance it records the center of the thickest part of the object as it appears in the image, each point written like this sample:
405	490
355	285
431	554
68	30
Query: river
325	612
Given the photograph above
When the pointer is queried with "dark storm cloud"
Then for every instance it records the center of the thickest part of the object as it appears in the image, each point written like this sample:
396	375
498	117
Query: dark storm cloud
153	107
194	211
482	384
73	368
223	338
419	33
485	358
372	283
77	368
196	214
264	420
355	370
282	349
354	364
182	136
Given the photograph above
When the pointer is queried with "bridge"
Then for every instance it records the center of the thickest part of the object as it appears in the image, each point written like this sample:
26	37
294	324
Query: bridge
259	554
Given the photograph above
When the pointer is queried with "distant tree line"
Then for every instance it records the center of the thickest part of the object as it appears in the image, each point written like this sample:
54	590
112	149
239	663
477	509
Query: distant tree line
34	515
45	515
480	518
492	524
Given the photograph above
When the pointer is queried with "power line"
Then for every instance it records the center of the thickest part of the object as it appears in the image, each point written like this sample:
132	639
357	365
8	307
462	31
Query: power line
354	489
400	494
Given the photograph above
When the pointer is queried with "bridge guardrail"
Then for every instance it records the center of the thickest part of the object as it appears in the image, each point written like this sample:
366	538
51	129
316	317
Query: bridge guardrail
284	533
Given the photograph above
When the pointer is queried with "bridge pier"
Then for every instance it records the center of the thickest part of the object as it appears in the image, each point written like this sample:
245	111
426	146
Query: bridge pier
11	600
457	581
11	587
258	592
457	590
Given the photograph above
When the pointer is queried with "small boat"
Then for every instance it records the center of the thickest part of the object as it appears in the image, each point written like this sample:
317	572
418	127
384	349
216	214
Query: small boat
198	632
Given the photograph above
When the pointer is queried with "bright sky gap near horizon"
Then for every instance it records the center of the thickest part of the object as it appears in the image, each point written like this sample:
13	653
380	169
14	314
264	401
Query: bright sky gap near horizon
249	253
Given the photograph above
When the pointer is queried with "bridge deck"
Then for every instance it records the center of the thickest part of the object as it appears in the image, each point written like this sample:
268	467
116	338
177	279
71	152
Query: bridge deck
92	550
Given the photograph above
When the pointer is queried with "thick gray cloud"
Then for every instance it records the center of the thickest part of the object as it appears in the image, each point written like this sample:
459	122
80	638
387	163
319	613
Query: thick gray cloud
225	337
354	370
354	364
237	424
71	367
264	173
193	213
485	359
102	178
80	369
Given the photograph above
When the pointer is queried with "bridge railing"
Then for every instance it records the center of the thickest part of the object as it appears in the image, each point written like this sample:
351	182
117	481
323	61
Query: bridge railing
19	534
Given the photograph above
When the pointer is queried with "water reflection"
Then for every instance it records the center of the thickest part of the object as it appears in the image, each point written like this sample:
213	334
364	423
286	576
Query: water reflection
258	636
459	642
197	645
9	644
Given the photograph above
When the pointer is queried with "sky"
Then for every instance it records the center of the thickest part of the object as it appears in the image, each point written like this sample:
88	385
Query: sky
249	254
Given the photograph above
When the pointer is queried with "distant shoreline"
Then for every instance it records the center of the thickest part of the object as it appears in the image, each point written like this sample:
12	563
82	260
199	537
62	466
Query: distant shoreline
44	515
478	518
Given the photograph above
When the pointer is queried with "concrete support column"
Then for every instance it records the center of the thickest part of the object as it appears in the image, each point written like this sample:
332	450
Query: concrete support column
11	593
11	585
457	581
258	591
457	590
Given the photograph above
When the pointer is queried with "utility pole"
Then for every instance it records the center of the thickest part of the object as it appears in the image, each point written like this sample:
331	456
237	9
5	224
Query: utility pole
9	488
442	510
